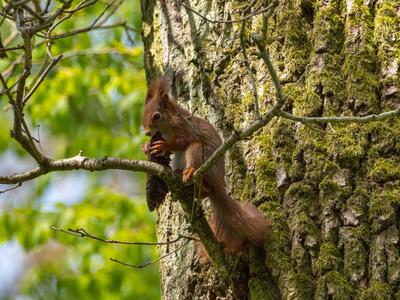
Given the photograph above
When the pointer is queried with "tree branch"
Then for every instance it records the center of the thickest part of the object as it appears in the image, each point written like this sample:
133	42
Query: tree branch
11	48
82	30
90	164
344	119
81	232
42	76
248	68
10	189
151	262
260	11
184	195
246	133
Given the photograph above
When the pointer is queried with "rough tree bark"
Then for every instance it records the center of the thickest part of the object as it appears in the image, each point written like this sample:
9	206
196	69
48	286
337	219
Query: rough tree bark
332	191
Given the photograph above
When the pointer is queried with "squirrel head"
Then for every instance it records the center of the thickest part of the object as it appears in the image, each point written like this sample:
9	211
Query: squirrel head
160	108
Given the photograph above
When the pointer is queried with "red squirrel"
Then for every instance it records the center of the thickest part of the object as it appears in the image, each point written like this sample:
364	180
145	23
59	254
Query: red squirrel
192	140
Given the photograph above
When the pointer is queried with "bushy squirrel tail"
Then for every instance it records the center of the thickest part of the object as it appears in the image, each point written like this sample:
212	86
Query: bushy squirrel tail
234	223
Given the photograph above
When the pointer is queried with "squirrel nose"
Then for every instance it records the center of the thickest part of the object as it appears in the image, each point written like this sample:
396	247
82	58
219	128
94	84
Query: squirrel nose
147	132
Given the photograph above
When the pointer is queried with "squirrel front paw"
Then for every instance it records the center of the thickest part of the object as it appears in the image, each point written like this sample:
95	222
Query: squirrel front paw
159	148
187	174
146	148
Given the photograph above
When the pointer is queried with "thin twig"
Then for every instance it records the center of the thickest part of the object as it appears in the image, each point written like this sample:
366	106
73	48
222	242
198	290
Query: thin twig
267	60
322	120
11	48
46	8
151	262
111	12
39	141
6	89
81	232
10	189
297	81
102	13
27	66
52	63
83	30
249	71
42	68
249	131
32	29
81	5
260	11
77	31
11	38
33	13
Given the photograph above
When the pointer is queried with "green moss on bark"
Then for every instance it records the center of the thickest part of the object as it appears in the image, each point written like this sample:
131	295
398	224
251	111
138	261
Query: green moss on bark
301	286
328	258
333	285
348	144
360	62
379	291
385	169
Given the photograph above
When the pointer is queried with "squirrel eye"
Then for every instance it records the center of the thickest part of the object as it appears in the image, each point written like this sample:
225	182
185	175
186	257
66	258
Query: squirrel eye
156	116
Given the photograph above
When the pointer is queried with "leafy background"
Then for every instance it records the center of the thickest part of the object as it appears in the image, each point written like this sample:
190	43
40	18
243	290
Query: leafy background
91	102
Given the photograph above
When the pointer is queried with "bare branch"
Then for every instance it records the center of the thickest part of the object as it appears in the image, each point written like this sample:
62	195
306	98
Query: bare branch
91	164
32	29
6	89
11	38
344	119
267	60
151	262
52	63
27	67
10	189
46	8
83	30
81	232
102	13
100	51
83	4
33	13
249	71
110	13
260	11
91	27
234	138
70	13
246	133
11	48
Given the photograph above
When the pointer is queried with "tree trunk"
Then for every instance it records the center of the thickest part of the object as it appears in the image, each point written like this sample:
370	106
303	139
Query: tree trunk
332	192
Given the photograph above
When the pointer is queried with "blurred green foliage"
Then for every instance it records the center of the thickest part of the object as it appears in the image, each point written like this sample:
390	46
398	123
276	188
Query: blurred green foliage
91	102
69	267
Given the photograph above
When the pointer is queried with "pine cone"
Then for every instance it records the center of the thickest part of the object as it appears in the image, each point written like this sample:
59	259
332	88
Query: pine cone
156	189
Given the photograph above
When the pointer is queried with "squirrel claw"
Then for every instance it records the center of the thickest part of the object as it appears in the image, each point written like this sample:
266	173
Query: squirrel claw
158	148
145	148
187	174
160	142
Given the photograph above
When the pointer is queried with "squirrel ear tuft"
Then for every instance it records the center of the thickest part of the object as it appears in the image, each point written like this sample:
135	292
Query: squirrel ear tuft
165	100
151	90
161	90
164	92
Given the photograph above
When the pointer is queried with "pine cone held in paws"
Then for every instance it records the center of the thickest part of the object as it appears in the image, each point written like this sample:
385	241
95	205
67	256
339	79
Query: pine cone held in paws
156	189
